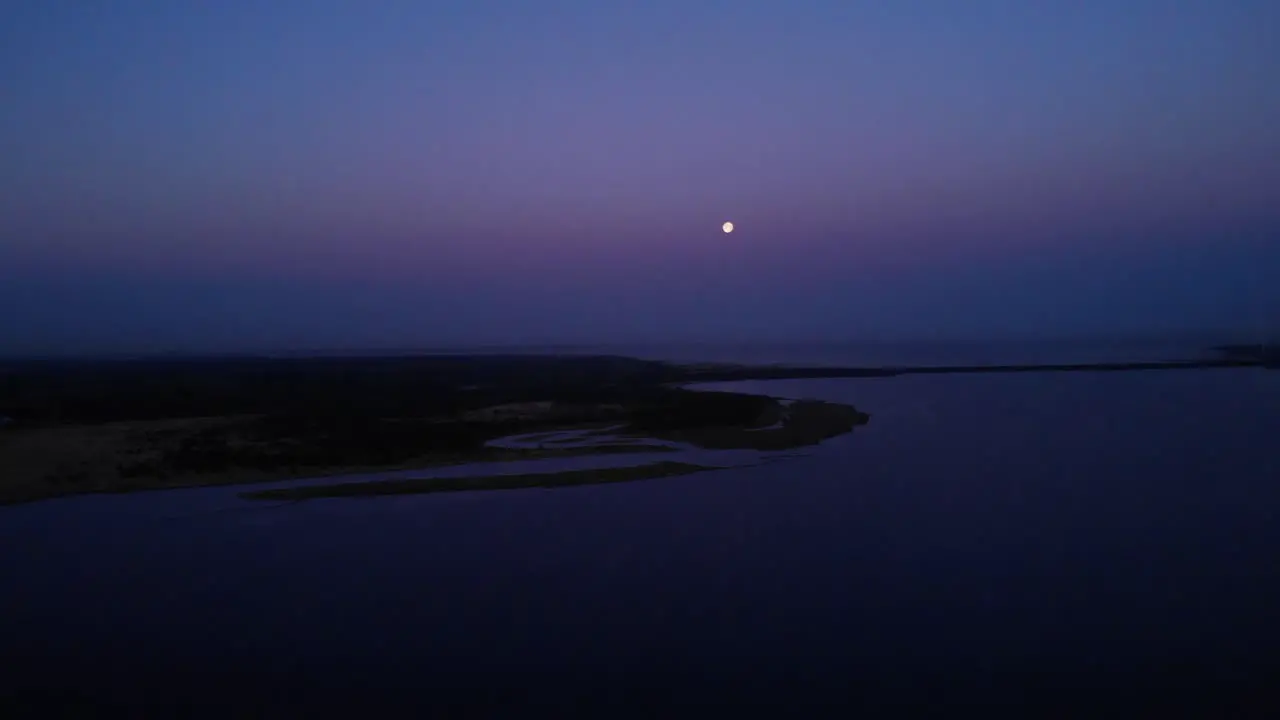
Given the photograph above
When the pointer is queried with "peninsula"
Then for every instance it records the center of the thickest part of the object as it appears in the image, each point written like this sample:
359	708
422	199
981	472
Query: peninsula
118	426
73	427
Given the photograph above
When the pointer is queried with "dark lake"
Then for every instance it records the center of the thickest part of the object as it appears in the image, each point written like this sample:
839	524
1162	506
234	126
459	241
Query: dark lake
1056	538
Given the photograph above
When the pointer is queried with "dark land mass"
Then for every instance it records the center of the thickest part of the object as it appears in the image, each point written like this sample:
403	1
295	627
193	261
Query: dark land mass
1263	354
69	427
111	426
731	373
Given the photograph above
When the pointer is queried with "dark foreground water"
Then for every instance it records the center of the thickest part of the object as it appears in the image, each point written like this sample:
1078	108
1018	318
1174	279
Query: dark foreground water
1063	540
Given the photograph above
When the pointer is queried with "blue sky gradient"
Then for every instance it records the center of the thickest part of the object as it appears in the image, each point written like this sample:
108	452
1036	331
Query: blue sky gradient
229	175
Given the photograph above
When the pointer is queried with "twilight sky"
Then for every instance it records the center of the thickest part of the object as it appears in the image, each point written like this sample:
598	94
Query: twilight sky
241	174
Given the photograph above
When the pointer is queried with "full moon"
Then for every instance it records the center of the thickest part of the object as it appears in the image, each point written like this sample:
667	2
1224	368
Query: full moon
727	227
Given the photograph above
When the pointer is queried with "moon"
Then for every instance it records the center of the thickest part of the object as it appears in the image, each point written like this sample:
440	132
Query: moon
727	227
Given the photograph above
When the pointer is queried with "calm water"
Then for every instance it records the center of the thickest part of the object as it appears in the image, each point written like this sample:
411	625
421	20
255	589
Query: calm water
984	536
874	354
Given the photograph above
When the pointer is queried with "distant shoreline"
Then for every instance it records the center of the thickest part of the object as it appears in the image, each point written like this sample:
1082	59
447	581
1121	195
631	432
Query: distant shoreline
81	428
731	373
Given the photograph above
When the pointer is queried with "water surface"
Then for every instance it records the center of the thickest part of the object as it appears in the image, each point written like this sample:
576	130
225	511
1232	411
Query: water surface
982	536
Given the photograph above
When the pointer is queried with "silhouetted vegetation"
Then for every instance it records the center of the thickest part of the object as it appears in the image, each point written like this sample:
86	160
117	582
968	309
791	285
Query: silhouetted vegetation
82	392
805	422
1264	353
671	410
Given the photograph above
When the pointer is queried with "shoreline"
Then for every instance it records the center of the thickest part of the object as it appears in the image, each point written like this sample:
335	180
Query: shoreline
665	425
548	480
693	374
63	443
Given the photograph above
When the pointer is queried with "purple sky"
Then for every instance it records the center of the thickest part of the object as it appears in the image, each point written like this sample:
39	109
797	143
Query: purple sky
227	174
